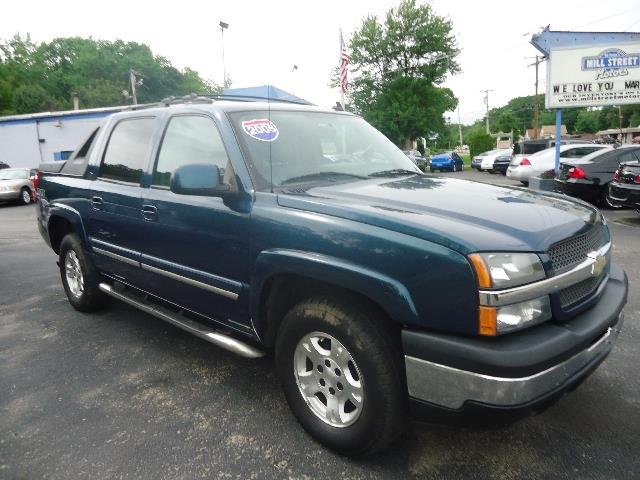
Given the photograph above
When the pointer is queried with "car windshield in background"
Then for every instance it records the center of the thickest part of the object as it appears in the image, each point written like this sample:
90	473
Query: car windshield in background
297	147
12	174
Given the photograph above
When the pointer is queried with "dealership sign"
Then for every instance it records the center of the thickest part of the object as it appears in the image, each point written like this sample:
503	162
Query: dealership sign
593	76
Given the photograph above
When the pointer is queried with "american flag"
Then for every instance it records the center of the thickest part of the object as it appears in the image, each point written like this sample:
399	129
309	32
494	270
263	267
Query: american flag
344	64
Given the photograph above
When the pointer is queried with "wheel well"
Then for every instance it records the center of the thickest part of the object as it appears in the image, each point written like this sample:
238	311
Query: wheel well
283	291
58	228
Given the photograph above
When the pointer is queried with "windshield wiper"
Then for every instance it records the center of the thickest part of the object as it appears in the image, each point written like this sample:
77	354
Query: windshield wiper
394	172
321	176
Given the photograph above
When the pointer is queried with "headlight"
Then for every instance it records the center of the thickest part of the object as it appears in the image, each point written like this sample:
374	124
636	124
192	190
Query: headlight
503	270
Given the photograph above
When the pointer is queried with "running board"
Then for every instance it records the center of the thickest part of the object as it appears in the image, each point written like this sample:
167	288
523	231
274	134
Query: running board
220	339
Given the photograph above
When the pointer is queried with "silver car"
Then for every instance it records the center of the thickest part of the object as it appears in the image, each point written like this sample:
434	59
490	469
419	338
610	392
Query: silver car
17	184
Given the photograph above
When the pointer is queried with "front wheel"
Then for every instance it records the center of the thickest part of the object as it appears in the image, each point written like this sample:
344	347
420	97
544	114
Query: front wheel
25	196
79	277
341	370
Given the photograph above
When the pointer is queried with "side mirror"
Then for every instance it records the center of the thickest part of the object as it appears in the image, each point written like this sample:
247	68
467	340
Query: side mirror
199	179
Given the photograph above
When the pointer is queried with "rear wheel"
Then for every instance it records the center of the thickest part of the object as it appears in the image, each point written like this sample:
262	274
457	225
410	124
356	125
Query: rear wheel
341	371
79	277
25	196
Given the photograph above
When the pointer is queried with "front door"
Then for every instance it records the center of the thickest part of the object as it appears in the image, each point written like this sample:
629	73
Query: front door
113	224
195	247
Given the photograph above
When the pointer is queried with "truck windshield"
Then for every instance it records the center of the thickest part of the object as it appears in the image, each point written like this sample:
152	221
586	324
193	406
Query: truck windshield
292	147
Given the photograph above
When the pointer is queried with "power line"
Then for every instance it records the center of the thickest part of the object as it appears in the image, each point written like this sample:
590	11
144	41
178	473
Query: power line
605	18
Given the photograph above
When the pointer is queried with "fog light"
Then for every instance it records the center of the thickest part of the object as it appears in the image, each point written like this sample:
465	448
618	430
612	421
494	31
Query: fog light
522	315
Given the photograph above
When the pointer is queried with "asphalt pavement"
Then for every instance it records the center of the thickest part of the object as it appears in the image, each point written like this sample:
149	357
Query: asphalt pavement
120	394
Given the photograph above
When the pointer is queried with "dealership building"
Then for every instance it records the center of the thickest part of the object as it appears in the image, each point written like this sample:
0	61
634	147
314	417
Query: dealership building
28	140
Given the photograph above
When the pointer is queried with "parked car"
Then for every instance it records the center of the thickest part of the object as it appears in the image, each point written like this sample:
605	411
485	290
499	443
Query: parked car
487	161
477	160
16	184
544	160
416	157
380	290
624	190
588	177
501	163
450	161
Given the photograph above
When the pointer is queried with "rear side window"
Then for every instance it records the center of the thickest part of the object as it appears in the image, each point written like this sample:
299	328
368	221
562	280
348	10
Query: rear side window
189	139
628	156
128	150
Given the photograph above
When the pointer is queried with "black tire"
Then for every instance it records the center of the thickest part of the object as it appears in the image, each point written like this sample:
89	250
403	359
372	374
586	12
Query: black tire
373	346
90	298
24	193
526	184
605	201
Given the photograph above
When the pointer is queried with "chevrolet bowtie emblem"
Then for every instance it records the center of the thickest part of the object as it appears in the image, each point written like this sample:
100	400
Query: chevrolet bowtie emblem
598	265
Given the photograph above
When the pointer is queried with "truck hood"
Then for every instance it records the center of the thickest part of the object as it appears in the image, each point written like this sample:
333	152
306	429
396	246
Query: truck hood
463	215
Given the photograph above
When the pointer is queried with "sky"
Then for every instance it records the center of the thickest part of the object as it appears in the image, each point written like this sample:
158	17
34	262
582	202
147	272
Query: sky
266	39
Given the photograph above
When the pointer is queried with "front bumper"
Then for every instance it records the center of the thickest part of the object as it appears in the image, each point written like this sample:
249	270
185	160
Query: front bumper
516	371
624	194
9	195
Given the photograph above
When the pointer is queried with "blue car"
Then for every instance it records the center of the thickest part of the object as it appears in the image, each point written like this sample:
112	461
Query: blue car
450	161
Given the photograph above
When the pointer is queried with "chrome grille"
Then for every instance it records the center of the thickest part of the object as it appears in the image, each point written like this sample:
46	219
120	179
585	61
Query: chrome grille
577	292
572	251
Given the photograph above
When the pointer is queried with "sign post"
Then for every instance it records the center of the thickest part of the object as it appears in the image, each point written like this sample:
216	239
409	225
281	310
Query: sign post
558	137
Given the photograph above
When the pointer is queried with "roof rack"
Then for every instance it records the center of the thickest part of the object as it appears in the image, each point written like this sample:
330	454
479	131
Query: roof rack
197	98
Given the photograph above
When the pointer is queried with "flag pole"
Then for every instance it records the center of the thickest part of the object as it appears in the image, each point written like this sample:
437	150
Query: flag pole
340	41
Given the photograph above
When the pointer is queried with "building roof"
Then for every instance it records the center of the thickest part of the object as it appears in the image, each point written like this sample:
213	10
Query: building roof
66	114
615	131
265	92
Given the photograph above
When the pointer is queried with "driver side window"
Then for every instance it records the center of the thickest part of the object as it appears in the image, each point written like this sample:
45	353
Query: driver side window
190	139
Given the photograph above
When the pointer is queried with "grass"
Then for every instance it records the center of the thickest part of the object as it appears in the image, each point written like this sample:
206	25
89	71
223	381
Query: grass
466	158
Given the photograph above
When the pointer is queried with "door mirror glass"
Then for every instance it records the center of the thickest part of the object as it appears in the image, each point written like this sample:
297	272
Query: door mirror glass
203	179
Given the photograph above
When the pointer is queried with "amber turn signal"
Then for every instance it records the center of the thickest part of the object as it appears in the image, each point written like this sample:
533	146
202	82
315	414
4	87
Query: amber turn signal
487	321
482	272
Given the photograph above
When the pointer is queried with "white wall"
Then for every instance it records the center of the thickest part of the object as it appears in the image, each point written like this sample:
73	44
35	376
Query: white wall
19	145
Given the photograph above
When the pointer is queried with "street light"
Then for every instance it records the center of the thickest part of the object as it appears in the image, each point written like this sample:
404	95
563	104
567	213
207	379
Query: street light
223	27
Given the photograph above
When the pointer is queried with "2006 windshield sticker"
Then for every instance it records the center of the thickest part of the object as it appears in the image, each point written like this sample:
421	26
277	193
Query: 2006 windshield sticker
261	129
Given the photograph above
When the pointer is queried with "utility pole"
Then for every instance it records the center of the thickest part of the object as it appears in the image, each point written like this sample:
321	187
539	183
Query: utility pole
133	81
486	102
223	27
536	103
459	126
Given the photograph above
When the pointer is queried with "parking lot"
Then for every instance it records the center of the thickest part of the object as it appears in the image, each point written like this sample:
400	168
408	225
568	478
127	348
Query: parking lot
119	394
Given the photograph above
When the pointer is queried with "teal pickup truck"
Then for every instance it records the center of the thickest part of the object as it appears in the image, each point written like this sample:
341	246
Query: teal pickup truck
383	293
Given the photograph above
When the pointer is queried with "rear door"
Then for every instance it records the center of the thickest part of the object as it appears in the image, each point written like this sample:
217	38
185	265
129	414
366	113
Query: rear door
115	215
195	250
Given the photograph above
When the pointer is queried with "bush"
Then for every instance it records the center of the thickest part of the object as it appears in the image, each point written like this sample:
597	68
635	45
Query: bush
479	143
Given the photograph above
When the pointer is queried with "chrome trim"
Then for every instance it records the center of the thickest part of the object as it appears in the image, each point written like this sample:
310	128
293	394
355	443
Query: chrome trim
591	267
450	387
216	337
190	281
115	256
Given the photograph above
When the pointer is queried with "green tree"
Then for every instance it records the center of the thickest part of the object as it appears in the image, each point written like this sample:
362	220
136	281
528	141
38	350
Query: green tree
96	70
587	121
399	63
480	142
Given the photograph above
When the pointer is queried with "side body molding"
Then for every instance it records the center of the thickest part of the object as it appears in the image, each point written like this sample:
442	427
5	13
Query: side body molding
392	295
